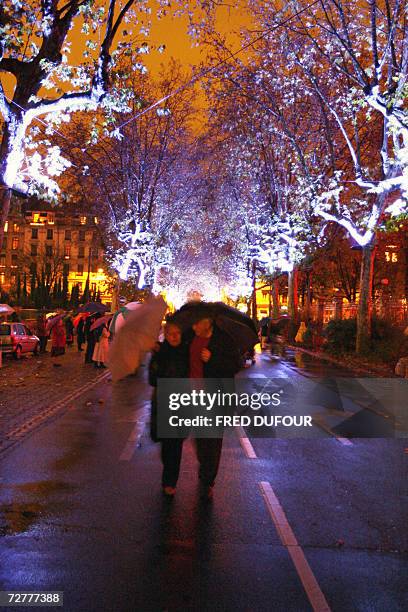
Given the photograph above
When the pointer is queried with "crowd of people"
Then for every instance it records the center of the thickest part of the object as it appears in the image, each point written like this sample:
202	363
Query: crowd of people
202	350
61	334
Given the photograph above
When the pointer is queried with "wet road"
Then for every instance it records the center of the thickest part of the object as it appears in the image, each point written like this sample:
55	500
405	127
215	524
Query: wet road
294	525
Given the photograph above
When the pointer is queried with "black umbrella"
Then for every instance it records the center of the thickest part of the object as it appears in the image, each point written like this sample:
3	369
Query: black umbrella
233	313
239	326
93	307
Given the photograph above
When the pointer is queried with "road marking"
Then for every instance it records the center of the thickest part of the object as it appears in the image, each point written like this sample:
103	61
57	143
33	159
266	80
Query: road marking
245	443
288	539
134	440
345	441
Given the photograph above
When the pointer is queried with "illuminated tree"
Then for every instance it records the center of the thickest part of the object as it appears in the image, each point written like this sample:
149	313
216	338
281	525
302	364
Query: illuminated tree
35	46
350	60
139	182
330	78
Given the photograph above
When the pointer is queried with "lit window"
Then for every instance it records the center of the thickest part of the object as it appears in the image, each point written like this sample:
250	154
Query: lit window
2	278
391	257
96	220
14	244
6	227
67	251
51	220
82	220
16	228
37	218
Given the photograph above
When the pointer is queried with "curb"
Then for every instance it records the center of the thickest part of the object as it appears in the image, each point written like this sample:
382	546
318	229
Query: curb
339	362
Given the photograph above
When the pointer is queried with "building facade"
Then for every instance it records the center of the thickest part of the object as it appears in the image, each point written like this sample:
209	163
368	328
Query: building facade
50	241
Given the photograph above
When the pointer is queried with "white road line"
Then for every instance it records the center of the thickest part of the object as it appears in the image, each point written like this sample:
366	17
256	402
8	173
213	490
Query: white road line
345	441
135	436
288	539
245	443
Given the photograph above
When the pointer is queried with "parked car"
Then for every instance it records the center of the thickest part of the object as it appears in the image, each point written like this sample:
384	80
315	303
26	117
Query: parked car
17	339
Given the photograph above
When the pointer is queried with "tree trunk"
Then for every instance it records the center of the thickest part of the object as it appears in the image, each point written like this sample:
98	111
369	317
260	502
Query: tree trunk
308	300
365	303
293	294
275	298
254	305
5	198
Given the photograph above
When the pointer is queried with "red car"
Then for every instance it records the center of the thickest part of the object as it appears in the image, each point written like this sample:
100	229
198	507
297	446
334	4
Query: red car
17	339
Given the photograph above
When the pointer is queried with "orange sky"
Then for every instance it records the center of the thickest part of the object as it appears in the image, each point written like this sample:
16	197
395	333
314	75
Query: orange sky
172	32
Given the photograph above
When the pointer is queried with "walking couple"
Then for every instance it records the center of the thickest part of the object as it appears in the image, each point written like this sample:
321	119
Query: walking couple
204	351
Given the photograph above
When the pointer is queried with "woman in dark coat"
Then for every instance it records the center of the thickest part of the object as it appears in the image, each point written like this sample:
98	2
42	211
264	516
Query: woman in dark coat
170	360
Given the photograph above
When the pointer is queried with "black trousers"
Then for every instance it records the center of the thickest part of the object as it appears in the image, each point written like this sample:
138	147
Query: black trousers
171	450
89	350
209	455
43	343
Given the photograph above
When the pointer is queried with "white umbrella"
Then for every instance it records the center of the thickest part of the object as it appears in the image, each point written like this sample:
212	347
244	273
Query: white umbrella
120	316
137	335
6	309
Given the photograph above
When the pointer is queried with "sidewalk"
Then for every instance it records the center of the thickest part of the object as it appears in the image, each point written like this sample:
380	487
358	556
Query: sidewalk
30	386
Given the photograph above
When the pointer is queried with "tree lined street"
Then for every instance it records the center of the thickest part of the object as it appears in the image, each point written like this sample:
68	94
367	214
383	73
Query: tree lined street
214	196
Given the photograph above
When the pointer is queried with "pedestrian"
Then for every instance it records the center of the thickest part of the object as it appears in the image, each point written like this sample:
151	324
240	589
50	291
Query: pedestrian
264	329
80	333
69	330
89	337
41	329
58	337
100	353
169	360
212	354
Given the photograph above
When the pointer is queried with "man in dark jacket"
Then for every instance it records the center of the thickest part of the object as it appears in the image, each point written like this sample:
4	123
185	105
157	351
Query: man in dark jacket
90	337
42	331
80	333
212	354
